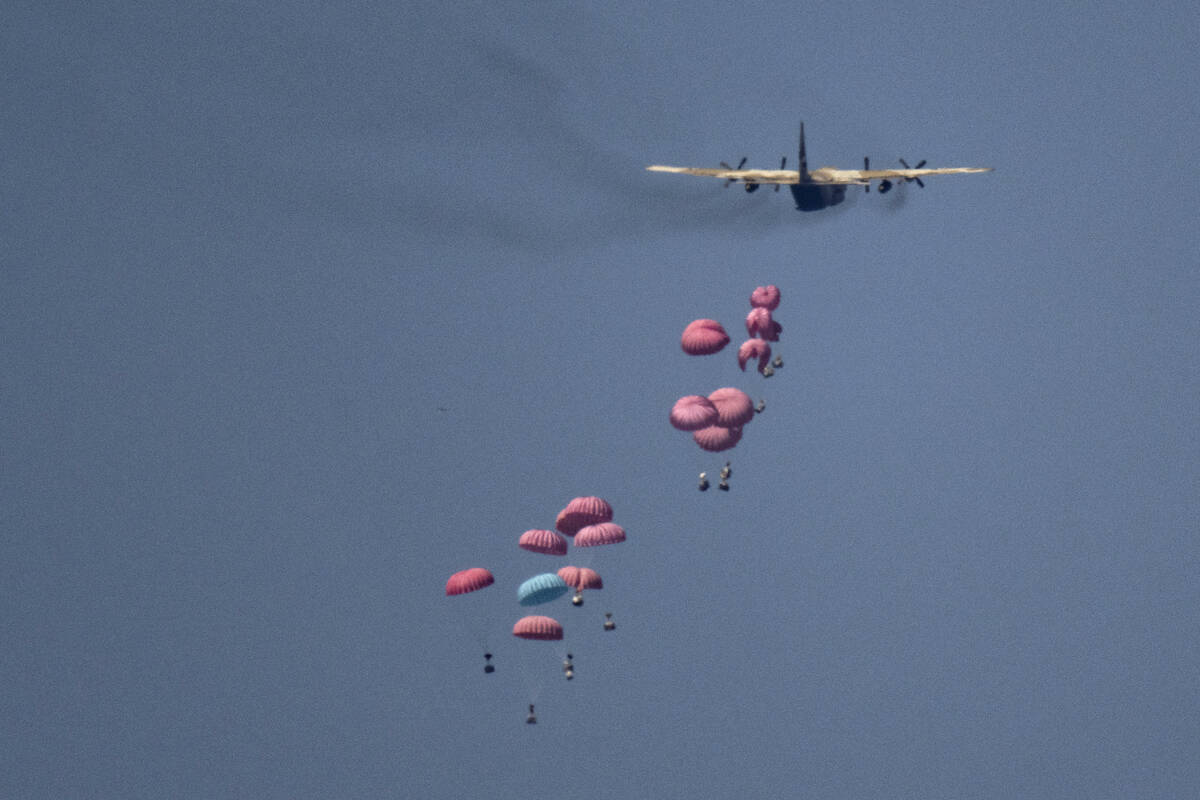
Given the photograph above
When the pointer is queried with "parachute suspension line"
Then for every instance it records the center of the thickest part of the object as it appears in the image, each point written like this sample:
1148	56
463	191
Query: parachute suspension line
479	625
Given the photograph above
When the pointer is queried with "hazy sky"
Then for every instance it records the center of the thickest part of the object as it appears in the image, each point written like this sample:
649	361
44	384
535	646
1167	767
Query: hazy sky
305	307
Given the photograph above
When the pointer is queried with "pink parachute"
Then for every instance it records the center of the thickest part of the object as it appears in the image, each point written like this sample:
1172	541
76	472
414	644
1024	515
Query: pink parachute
469	580
703	337
758	322
693	412
716	438
601	533
543	628
765	297
583	511
754	348
734	407
580	578
539	541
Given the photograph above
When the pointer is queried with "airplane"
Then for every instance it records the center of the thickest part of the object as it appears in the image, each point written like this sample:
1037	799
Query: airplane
822	187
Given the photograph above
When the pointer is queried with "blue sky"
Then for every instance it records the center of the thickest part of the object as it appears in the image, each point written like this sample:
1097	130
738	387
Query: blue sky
305	308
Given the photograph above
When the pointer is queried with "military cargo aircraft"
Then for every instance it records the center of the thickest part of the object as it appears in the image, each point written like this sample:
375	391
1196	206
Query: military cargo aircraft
820	188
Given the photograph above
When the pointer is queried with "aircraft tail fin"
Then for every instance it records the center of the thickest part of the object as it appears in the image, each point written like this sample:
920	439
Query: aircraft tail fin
803	160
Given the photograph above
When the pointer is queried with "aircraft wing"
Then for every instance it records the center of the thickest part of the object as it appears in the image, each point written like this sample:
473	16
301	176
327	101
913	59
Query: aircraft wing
861	176
746	175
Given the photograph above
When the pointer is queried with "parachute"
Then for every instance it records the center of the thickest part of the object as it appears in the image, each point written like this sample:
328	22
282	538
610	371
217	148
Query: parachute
703	337
540	541
601	533
754	348
760	323
580	578
539	628
734	407
541	589
717	438
583	511
693	412
469	580
765	297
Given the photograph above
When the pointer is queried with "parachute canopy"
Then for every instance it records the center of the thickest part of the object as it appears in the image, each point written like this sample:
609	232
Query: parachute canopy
544	628
754	348
760	323
583	511
539	541
693	412
602	533
717	438
580	578
734	407
469	580
703	337
765	297
541	589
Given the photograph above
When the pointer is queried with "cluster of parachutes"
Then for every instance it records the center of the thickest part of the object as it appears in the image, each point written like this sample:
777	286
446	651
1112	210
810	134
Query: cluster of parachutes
704	337
587	522
716	421
761	328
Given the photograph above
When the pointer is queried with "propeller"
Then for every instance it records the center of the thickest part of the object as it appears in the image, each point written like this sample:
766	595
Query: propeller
741	164
867	185
885	184
750	187
920	164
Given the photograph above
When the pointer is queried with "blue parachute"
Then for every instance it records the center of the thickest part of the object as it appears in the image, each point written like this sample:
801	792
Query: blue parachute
541	589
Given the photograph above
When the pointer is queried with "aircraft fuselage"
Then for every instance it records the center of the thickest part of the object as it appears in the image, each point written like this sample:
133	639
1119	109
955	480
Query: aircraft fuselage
815	196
